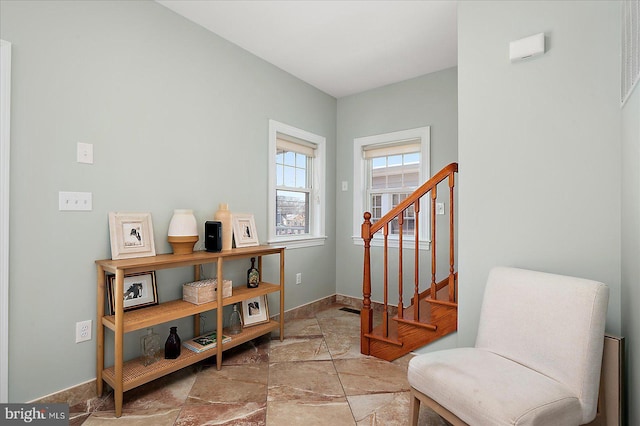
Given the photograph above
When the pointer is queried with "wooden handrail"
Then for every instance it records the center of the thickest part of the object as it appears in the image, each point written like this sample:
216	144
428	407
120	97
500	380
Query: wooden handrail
411	199
369	229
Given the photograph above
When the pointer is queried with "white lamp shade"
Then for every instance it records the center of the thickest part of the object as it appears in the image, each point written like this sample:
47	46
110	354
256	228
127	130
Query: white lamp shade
183	223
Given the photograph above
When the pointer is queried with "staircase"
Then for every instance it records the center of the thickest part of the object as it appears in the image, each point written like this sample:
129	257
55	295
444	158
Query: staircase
433	312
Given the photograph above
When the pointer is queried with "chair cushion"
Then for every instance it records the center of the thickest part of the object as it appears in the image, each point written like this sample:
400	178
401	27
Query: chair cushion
551	323
483	388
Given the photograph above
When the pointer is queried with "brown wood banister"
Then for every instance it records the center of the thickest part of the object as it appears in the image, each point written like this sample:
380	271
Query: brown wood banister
369	229
417	194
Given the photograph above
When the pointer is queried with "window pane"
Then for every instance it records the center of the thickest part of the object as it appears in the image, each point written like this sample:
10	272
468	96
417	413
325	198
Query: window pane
378	182
301	178
411	179
279	175
290	158
279	156
289	176
395	160
413	158
379	162
394	181
301	160
292	211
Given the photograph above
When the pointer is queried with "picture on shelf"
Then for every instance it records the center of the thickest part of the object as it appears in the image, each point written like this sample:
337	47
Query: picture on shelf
139	290
255	310
131	235
244	230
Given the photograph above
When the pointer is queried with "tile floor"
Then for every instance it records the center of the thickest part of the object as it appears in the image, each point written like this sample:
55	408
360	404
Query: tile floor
316	376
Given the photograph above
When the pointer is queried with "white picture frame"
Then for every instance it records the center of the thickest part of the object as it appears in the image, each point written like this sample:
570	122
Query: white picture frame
244	230
255	311
131	235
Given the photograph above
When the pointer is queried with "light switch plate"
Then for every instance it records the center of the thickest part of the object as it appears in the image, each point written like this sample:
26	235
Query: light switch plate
79	201
85	153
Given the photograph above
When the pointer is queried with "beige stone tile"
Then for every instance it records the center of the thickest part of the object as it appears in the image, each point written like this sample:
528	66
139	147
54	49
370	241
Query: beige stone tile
299	349
384	409
232	384
342	336
154	417
309	413
300	327
251	413
370	375
251	352
403	361
304	381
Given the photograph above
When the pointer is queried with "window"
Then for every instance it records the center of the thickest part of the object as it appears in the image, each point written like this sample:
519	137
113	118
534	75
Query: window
387	169
296	186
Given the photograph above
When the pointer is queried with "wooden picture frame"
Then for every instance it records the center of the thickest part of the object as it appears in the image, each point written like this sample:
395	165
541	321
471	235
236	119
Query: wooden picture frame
131	235
255	311
244	230
140	290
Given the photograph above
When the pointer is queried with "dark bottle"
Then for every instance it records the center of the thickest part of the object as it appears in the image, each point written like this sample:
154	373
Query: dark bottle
253	276
172	346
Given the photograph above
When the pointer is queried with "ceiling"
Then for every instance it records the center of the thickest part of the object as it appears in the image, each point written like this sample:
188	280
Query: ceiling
339	47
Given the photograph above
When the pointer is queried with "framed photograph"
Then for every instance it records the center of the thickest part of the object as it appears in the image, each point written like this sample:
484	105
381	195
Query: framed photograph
244	230
255	311
139	290
131	235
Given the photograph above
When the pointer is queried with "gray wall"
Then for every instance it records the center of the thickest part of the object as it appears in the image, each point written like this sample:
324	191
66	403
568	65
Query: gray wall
430	100
539	147
631	248
178	118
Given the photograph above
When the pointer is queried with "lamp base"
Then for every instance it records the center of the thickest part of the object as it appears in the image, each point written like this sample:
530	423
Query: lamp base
182	245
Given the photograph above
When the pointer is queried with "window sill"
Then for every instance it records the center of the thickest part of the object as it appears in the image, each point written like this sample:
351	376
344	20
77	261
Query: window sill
297	242
407	244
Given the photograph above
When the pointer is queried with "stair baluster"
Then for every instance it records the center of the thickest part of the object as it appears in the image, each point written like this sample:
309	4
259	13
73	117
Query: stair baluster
440	315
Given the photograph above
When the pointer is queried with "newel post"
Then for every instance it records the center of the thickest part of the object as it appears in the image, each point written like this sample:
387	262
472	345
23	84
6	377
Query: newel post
366	319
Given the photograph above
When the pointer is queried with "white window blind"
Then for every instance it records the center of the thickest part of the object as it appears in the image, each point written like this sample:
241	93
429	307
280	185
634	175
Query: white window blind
405	147
293	144
630	47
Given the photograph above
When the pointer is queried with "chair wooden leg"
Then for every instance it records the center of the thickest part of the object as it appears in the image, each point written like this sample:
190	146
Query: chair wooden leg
415	409
418	397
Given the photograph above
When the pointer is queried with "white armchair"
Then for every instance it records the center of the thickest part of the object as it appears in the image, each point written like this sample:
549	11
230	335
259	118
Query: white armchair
536	360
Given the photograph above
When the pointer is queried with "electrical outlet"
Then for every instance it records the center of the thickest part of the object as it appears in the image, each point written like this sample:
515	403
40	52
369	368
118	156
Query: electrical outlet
299	278
83	331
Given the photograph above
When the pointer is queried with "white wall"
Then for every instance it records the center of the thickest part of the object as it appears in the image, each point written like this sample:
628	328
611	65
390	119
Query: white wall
178	118
539	146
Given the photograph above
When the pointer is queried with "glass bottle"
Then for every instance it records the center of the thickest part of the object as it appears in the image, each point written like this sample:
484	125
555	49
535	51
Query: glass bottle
150	347
172	345
235	321
253	275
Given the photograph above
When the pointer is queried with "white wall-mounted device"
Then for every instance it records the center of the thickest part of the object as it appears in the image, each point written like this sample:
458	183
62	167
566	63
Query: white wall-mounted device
526	47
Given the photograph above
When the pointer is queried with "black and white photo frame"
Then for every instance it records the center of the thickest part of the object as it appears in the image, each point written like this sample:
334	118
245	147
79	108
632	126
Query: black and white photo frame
244	230
131	235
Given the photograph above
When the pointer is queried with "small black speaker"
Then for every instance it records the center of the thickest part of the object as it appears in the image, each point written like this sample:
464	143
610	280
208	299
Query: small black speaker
212	235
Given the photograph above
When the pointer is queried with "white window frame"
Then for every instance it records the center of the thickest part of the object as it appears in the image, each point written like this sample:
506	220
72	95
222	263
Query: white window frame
360	180
316	235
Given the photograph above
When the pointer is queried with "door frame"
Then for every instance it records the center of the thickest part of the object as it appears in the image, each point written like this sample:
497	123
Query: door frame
5	121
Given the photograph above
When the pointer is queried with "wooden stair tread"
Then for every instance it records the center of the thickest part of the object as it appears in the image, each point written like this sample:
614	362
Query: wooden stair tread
436	320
